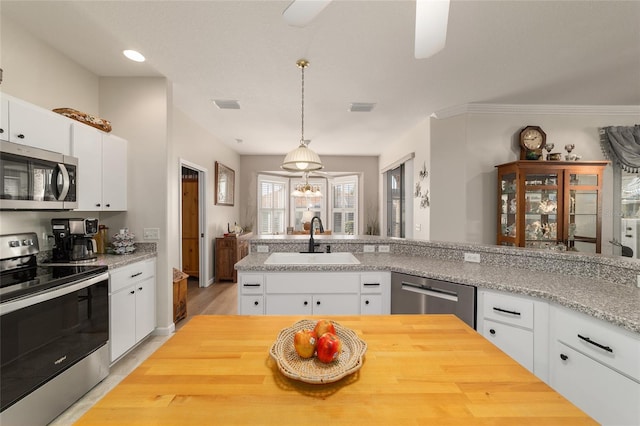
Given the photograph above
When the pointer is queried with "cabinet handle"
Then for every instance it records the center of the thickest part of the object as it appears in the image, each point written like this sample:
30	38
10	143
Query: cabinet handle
318	303
366	302
1	131
492	331
255	303
586	339
98	205
140	288
506	311
564	357
135	275
305	303
132	292
20	136
108	205
371	284
250	285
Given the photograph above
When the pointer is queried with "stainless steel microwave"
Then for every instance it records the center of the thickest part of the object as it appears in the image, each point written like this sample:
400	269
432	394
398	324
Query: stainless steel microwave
36	179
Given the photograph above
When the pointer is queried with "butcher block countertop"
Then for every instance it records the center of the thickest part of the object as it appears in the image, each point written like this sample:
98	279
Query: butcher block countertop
418	370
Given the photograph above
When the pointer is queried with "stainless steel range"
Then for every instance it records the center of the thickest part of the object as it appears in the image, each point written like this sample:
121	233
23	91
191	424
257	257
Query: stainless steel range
54	322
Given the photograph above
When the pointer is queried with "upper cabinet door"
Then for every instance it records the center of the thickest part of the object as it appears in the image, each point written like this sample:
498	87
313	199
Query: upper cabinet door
114	172
37	127
4	118
87	147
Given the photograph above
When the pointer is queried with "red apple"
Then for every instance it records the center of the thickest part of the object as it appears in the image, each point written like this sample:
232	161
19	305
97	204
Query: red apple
329	347
324	326
304	342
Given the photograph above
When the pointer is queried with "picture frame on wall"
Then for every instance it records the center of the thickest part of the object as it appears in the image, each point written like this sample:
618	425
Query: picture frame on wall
224	185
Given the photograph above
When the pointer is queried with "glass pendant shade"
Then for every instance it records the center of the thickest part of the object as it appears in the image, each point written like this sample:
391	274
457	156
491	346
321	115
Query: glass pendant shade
301	159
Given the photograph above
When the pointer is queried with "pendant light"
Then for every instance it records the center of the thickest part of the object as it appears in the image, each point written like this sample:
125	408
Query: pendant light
302	159
306	190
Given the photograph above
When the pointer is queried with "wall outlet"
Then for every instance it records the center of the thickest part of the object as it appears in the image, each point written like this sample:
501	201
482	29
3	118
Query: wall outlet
638	281
151	233
368	248
472	257
383	249
262	249
418	227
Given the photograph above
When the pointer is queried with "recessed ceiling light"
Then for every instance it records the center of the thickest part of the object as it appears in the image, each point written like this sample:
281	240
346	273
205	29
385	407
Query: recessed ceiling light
134	55
226	104
361	107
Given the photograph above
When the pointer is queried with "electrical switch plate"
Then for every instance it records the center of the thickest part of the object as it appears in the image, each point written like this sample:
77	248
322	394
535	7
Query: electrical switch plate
383	249
368	248
418	227
262	249
472	257
151	233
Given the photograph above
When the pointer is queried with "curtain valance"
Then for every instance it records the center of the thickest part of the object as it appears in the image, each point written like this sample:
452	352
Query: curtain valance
621	144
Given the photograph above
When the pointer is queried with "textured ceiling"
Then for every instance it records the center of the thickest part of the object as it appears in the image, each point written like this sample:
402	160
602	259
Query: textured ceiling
509	52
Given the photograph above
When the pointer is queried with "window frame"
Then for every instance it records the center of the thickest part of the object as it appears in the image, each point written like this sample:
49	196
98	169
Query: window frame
273	180
355	210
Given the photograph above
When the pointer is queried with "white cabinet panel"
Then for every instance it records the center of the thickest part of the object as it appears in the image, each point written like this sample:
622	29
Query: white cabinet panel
251	305
87	147
114	172
4	118
371	304
608	397
289	304
336	304
132	305
515	342
34	126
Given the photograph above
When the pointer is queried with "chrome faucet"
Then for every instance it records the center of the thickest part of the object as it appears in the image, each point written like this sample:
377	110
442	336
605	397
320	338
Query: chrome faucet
312	244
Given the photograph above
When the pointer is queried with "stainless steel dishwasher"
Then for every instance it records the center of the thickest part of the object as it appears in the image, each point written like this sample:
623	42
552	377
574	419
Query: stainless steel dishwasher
418	295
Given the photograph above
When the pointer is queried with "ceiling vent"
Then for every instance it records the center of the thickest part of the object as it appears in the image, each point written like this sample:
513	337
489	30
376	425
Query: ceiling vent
361	107
226	104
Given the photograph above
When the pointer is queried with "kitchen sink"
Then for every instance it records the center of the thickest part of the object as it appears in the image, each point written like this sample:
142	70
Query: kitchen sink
337	258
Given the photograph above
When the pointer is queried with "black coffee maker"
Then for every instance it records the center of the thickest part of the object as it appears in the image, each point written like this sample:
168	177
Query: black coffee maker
74	241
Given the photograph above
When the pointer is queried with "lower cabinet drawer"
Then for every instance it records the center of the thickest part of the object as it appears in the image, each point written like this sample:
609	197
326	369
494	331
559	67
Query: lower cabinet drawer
514	341
508	309
607	396
606	343
371	304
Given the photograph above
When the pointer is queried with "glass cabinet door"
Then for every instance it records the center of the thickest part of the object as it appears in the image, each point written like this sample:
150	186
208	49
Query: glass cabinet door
508	208
541	210
583	224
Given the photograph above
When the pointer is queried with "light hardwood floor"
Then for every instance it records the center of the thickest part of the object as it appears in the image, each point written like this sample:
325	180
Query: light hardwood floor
217	299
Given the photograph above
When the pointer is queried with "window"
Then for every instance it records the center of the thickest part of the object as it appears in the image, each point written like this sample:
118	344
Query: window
316	205
272	204
344	205
395	202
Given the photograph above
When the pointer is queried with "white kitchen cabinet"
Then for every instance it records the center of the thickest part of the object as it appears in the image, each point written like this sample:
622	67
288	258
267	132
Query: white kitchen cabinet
102	169
596	366
4	118
28	124
314	293
519	326
132	304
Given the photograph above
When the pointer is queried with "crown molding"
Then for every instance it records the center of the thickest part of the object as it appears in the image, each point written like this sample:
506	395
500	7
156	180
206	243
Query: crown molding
479	108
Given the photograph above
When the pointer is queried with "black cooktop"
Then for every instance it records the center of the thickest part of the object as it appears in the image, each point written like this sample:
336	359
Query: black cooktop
26	281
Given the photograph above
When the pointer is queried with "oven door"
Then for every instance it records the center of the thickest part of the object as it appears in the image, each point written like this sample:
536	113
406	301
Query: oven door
45	334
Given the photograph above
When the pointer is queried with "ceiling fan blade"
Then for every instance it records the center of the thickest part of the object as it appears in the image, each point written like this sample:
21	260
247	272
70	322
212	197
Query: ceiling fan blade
432	17
301	12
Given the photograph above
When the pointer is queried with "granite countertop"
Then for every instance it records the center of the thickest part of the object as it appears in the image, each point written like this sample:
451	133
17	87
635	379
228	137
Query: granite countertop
617	304
117	261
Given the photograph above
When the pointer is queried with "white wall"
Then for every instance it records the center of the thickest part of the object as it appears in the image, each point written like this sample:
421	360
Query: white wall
192	143
464	184
416	140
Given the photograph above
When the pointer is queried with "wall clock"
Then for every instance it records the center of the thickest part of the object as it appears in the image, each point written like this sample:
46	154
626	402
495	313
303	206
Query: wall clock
532	140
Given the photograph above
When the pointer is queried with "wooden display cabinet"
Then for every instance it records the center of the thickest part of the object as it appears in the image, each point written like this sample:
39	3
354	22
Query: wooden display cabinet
230	250
551	204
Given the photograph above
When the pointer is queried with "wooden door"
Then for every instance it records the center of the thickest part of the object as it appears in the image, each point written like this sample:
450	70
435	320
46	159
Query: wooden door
190	220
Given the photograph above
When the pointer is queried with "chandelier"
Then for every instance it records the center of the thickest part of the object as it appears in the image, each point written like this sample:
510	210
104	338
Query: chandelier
306	190
302	159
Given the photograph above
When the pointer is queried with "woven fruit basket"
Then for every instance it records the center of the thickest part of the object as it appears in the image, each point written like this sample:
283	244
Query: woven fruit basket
312	370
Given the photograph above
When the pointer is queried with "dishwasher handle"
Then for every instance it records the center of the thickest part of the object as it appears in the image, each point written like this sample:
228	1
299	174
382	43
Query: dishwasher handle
430	291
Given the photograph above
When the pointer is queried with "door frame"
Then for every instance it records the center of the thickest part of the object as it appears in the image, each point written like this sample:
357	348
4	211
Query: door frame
203	248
